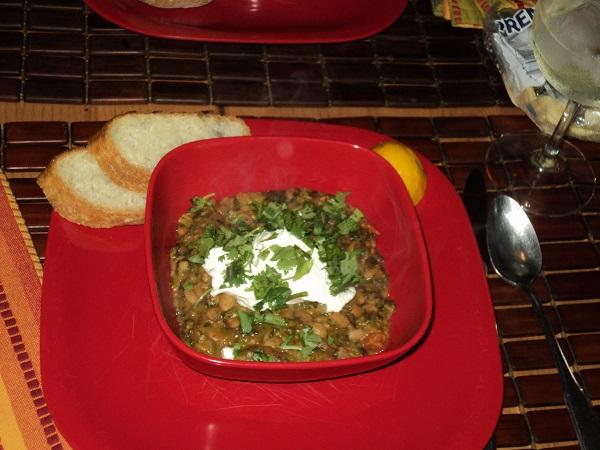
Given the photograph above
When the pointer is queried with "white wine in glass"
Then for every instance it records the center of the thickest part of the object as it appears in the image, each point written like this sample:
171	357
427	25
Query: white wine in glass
550	176
566	44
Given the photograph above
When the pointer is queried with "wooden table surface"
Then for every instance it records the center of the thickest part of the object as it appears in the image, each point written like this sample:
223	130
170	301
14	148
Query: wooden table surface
64	70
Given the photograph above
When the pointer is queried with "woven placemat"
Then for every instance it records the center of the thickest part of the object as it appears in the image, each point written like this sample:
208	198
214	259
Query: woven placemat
534	415
59	51
25	421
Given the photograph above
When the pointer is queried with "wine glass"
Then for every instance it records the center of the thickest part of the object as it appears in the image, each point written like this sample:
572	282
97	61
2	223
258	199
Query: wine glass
547	174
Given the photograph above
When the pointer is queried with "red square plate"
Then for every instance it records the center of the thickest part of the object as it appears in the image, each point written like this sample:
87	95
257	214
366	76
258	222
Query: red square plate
257	21
112	380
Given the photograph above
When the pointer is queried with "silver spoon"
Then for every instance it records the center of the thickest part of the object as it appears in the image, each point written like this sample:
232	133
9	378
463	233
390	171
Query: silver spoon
516	256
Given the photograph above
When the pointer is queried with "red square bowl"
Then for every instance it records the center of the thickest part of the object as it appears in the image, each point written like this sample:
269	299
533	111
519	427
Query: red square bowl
227	166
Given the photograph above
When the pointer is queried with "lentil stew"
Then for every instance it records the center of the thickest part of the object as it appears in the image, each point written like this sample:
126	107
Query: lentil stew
278	326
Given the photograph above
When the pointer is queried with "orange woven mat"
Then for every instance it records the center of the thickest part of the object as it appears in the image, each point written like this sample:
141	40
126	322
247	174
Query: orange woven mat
25	422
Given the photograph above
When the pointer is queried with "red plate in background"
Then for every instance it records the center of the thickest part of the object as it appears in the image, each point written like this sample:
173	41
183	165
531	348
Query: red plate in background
256	21
111	379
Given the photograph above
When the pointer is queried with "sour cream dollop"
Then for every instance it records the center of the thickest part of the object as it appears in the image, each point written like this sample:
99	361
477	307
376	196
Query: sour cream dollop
315	283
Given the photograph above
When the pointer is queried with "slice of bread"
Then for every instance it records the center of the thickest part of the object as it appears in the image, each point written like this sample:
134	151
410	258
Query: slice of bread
81	192
129	146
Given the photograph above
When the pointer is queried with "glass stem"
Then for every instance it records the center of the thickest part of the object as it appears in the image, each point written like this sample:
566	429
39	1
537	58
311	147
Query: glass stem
552	146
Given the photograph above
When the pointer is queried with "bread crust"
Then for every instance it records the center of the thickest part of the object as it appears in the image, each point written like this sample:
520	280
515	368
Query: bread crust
176	3
77	209
114	165
121	171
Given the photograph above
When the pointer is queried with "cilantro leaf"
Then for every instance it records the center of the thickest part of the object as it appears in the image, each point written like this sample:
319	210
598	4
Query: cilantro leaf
290	258
265	280
240	225
349	265
273	319
307	211
335	207
275	298
303	268
259	355
188	285
239	251
272	215
246	320
319	225
287	346
236	349
202	246
345	274
197	259
223	234
350	223
284	256
270	289
235	274
200	203
310	341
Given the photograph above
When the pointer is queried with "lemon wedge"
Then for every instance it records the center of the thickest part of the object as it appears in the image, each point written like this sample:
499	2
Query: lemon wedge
408	166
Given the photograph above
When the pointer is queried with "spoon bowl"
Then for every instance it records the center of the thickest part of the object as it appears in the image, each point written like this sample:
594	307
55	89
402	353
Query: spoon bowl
516	256
513	245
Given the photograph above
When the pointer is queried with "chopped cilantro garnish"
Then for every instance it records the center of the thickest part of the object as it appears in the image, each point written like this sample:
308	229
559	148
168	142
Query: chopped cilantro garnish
258	355
345	274
287	346
204	244
246	320
272	215
199	203
197	259
266	280
307	211
350	223
235	274
224	235
236	349
240	225
271	290
269	237
239	246
275	298
335	207
310	341
286	257
211	237
271	318
264	253
321	227
349	265
188	286
298	295
290	258
303	268
239	252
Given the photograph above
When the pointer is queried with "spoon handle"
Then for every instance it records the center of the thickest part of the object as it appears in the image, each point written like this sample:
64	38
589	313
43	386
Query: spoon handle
585	421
